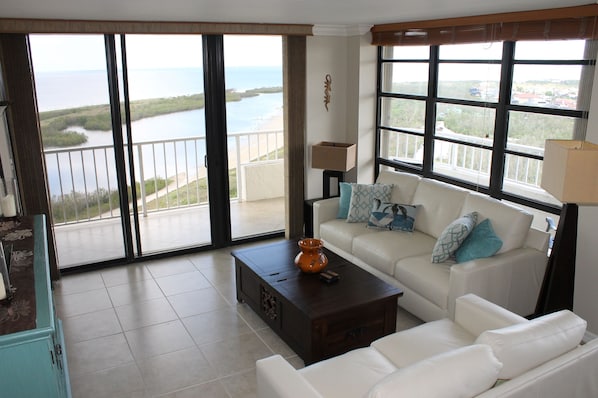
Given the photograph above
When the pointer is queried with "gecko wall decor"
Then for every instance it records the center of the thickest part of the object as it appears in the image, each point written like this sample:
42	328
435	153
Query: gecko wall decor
327	90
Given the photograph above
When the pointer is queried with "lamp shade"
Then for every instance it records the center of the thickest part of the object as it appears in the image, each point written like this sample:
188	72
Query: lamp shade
570	171
333	156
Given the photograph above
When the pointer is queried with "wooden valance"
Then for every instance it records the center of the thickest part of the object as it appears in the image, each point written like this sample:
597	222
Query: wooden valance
579	22
17	25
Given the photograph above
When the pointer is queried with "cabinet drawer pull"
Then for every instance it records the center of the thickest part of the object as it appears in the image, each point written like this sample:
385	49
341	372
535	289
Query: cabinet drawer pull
356	333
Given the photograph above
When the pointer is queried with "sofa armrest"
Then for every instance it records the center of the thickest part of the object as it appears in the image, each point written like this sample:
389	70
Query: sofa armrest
276	378
477	315
511	280
537	239
324	210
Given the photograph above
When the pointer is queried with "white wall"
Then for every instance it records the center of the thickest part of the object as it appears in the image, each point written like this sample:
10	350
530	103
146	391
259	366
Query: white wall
325	55
586	267
351	63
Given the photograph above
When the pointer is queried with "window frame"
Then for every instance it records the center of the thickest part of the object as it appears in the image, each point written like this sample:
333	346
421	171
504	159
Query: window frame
503	106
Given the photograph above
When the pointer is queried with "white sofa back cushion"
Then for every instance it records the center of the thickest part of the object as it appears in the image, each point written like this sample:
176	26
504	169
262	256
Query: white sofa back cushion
509	223
421	342
525	346
464	372
440	205
404	185
348	375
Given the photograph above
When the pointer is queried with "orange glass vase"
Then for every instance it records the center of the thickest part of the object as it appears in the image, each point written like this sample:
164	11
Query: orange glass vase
311	259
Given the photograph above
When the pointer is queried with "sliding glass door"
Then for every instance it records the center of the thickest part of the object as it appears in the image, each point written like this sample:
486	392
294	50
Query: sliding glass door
164	83
73	102
254	119
128	167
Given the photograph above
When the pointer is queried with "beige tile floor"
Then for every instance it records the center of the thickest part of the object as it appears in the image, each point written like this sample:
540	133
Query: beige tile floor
167	328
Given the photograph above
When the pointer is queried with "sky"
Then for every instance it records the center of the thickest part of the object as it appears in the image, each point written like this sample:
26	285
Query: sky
559	50
86	52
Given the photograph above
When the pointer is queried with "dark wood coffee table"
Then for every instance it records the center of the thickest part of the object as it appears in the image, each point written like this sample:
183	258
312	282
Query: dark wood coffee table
315	319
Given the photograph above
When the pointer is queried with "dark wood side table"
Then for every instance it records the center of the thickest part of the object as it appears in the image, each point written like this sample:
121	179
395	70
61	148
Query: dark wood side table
315	319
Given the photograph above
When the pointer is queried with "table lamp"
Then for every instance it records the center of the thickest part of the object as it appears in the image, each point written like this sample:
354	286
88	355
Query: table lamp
570	174
335	159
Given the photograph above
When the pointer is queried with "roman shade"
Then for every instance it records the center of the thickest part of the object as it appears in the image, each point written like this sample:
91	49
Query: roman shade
550	24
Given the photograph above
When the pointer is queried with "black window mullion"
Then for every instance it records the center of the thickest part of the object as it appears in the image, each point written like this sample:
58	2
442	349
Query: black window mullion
117	135
378	111
430	126
216	143
501	123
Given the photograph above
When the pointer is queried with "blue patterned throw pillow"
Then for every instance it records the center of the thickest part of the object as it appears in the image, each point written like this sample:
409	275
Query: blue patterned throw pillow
393	216
362	199
453	236
481	243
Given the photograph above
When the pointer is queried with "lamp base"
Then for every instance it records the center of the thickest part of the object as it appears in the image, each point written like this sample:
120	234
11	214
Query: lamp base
559	280
327	176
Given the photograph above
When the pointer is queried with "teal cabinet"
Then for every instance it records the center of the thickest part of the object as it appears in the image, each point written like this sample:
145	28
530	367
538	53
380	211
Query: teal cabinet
32	361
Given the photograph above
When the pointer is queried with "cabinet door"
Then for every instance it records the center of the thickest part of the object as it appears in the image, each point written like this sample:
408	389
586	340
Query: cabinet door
61	370
29	369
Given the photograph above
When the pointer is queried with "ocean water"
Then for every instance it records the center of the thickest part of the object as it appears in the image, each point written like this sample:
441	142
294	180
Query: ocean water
63	90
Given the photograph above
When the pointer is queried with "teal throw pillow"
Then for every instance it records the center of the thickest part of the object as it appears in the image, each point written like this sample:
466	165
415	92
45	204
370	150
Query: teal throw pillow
362	199
392	216
481	243
453	236
345	189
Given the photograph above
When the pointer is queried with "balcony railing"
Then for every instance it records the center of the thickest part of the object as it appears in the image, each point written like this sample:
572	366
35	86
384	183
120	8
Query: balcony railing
170	173
471	162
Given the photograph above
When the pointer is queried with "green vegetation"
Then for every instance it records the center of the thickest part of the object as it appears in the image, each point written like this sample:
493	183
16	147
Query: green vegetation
55	124
524	128
76	206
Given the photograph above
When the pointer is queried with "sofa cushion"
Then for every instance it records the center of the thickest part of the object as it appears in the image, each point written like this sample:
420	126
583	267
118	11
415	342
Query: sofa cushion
360	370
362	200
453	236
340	233
510	223
440	204
524	346
425	278
392	216
481	243
424	341
404	185
382	249
465	372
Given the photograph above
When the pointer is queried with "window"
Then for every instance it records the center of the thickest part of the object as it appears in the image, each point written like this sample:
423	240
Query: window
477	115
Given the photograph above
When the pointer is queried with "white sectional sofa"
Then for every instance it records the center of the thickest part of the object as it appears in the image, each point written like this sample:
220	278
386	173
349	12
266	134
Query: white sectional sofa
486	352
511	278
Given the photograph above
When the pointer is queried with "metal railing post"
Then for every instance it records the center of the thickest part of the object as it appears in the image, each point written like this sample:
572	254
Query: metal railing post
239	179
142	182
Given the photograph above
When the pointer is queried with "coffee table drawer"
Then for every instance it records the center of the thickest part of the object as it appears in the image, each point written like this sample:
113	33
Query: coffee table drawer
348	330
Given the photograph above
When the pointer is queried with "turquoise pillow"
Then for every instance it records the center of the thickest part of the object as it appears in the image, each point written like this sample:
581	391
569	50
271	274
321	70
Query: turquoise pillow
345	199
453	237
481	243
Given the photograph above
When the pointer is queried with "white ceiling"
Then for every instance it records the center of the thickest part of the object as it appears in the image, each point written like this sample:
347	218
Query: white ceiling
317	12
